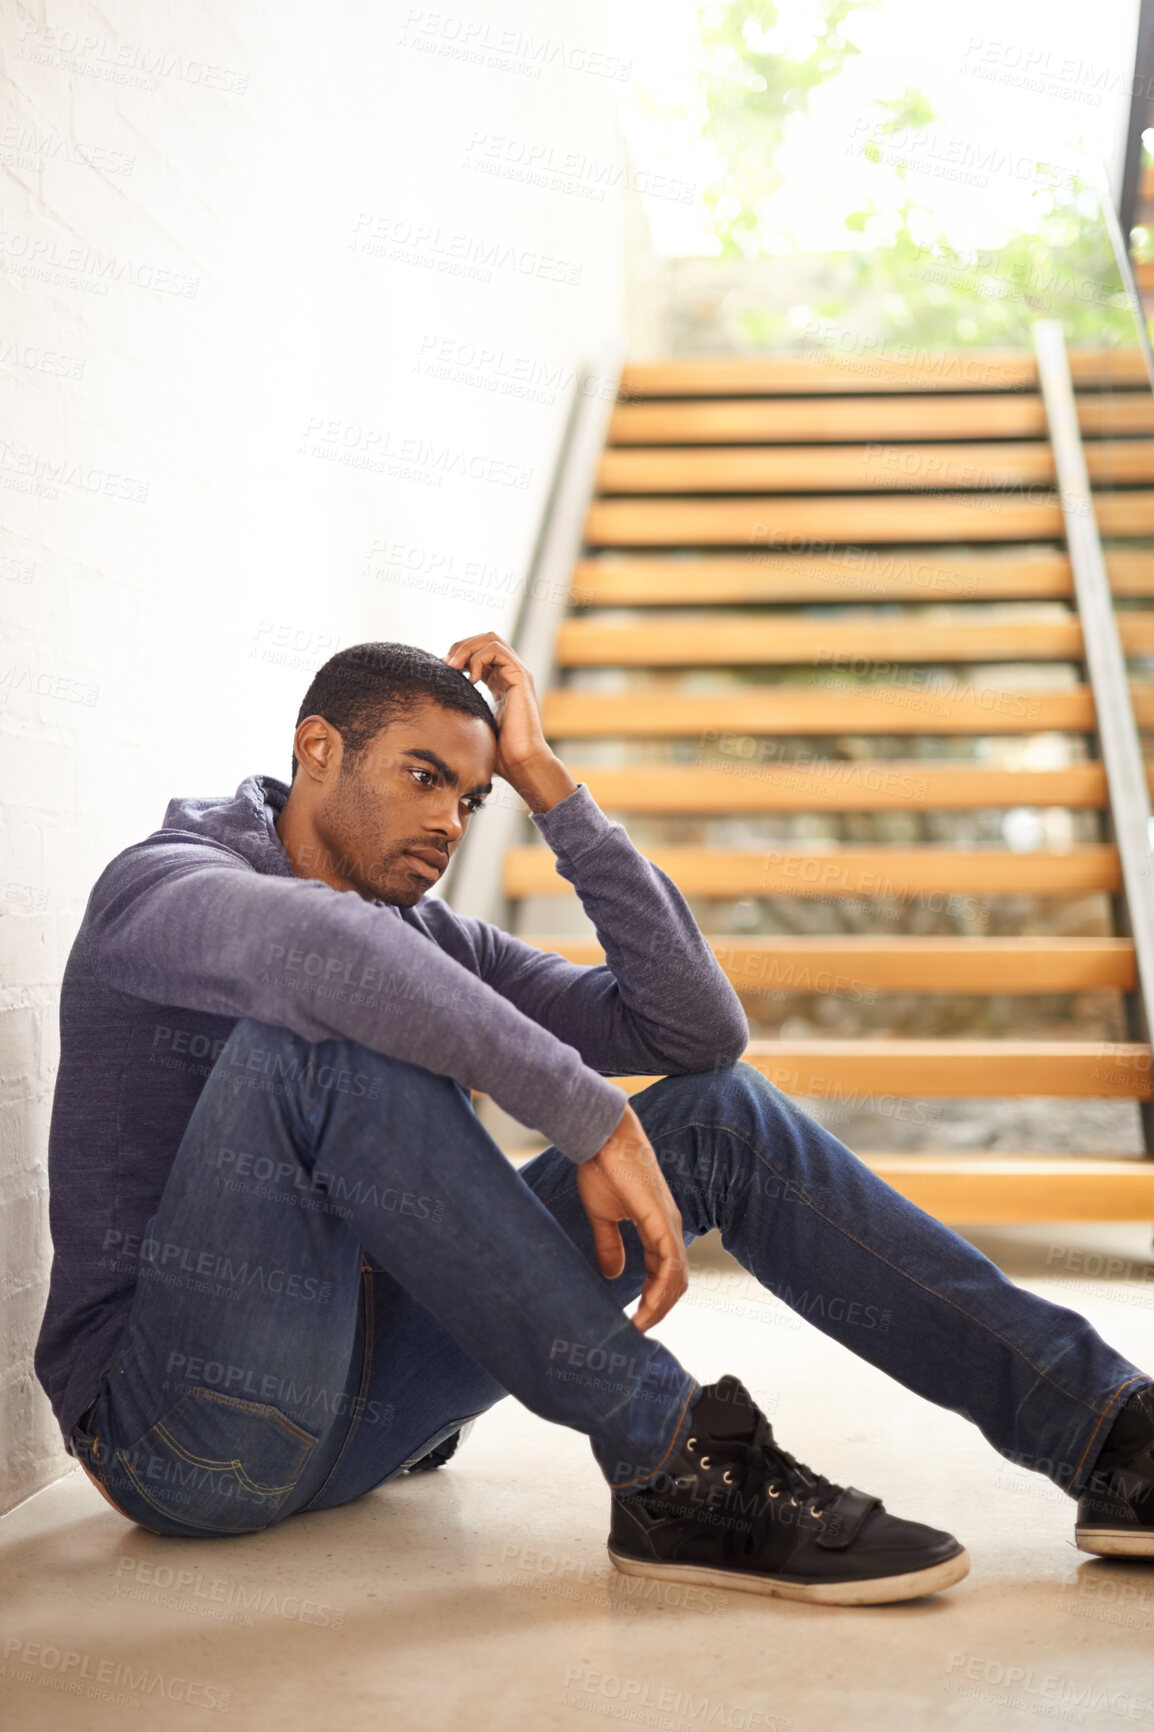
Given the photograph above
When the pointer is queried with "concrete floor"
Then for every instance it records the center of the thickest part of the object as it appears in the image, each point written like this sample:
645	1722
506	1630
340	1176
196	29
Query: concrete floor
481	1595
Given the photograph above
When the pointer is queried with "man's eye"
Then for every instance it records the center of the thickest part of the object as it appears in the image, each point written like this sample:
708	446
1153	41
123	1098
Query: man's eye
474	802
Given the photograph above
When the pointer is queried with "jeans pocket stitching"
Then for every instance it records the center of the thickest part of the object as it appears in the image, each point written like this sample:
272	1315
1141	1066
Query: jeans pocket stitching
235	1464
276	1494
220	1465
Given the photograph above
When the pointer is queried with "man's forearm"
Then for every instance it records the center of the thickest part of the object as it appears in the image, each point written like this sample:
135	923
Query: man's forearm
662	1001
298	954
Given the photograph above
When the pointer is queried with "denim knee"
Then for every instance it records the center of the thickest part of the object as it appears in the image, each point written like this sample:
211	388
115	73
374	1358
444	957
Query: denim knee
271	1056
751	1143
738	1090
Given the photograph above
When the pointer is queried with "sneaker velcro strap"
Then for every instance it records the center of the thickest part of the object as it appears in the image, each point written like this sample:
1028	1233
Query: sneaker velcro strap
844	1518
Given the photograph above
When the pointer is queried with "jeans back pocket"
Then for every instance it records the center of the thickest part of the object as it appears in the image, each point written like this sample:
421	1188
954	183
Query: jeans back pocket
218	1463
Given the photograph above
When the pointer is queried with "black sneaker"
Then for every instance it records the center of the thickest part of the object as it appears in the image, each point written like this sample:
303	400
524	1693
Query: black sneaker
1116	1510
734	1510
441	1452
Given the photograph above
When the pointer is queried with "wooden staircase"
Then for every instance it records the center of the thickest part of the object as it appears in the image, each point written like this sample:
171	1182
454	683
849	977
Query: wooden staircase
820	643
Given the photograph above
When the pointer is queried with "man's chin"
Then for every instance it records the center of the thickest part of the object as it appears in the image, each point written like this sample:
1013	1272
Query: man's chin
398	895
403	894
394	898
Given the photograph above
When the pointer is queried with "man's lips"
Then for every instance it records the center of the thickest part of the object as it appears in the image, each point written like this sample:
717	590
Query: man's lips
427	860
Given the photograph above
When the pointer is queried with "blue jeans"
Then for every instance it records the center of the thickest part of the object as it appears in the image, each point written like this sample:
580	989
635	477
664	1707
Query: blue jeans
344	1267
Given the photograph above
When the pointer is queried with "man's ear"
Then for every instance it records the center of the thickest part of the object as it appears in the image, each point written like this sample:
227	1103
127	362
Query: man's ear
318	747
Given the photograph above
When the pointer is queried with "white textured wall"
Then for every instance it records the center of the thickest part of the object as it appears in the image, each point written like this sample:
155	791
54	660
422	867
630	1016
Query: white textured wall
291	295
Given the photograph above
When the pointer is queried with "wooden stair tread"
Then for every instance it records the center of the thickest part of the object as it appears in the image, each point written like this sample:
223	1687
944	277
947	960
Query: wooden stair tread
823	372
1013	1164
883	785
862	576
892	873
787	639
774	521
800	419
856	966
826	709
983	1189
871	467
861	1071
1083	1166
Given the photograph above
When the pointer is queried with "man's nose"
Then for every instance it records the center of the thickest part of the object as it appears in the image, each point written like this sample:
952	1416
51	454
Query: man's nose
448	825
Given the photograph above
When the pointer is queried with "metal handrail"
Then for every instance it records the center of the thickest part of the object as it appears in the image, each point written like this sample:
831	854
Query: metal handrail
1119	744
1141	91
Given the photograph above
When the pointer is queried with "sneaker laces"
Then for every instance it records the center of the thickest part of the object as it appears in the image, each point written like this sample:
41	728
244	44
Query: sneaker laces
775	1466
757	1472
766	1467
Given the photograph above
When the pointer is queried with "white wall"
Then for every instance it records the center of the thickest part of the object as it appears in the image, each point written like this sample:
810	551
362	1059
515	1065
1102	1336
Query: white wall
233	237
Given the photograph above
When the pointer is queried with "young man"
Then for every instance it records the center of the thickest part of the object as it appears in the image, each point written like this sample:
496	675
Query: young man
290	1263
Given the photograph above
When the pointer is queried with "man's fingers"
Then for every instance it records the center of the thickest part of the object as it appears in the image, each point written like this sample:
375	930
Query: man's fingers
658	1296
609	1246
668	1274
485	656
624	1182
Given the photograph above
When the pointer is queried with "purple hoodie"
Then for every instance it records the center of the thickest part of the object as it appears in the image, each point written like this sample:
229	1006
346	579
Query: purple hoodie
205	921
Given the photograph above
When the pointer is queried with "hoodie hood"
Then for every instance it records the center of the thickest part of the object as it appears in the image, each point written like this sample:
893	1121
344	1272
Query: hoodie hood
244	822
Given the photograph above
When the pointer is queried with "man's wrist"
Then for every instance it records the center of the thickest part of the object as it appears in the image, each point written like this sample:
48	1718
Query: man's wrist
544	783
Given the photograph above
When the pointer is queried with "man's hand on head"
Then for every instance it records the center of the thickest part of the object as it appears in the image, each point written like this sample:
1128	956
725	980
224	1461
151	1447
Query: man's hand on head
524	758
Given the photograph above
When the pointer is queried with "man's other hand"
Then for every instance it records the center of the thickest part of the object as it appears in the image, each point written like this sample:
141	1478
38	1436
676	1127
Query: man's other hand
623	1182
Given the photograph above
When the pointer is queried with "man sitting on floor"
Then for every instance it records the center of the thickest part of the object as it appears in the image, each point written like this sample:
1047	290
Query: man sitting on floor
290	1263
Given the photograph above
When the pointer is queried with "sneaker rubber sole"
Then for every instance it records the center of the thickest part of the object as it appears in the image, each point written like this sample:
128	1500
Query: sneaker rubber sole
1116	1542
876	1591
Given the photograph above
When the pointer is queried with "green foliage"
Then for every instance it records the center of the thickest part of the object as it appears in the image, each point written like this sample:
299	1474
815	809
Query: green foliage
1062	267
751	87
914	280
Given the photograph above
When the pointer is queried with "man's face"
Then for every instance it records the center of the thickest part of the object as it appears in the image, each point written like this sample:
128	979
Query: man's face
413	787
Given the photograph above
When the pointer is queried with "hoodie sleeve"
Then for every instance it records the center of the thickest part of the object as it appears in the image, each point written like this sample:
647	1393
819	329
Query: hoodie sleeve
660	1003
189	924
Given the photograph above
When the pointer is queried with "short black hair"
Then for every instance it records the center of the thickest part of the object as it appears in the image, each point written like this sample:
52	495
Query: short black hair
366	687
